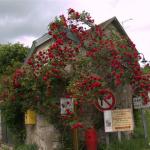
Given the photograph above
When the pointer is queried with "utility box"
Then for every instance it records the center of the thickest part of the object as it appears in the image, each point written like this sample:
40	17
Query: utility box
30	117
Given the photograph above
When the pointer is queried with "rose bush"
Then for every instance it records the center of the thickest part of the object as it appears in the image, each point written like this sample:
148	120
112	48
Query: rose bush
81	62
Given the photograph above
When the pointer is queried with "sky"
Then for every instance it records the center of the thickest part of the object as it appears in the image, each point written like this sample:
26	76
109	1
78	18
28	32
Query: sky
26	20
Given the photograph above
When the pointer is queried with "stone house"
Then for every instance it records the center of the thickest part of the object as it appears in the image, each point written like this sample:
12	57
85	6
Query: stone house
44	134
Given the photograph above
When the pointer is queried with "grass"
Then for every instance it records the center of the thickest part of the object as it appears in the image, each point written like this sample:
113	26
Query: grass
133	144
26	147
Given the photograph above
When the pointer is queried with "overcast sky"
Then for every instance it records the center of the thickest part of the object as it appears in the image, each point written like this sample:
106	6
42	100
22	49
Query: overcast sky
25	20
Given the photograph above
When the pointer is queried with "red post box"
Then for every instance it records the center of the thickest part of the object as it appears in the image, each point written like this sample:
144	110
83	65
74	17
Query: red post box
91	139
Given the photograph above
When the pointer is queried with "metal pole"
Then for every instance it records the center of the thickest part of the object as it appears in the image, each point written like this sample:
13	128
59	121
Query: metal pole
144	123
75	135
119	136
107	139
75	139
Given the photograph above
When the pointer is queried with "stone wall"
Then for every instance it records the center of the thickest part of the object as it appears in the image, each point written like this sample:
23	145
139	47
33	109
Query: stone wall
123	95
43	134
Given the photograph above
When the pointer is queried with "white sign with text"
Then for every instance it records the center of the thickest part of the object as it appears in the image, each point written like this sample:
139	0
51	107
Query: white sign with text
138	103
118	120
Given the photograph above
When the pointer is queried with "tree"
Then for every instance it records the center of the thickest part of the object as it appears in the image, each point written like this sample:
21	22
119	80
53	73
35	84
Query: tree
11	56
146	69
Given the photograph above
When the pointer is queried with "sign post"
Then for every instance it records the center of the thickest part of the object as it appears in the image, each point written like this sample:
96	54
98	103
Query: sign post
67	105
107	139
119	136
75	139
144	124
138	104
75	135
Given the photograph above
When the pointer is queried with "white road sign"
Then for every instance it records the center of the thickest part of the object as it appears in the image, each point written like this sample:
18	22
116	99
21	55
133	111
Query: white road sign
138	103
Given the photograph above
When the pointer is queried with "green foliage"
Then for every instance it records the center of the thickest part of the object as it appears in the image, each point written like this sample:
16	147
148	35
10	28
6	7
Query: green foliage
26	147
11	55
133	144
66	138
14	119
146	69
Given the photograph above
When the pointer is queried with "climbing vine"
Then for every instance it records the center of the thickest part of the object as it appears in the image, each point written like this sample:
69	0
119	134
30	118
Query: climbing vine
82	62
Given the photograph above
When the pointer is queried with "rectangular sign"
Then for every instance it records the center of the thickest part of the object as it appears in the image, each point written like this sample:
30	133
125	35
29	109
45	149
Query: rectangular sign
118	120
108	121
66	105
138	103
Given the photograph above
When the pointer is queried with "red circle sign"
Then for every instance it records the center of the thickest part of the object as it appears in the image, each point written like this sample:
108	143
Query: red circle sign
106	102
